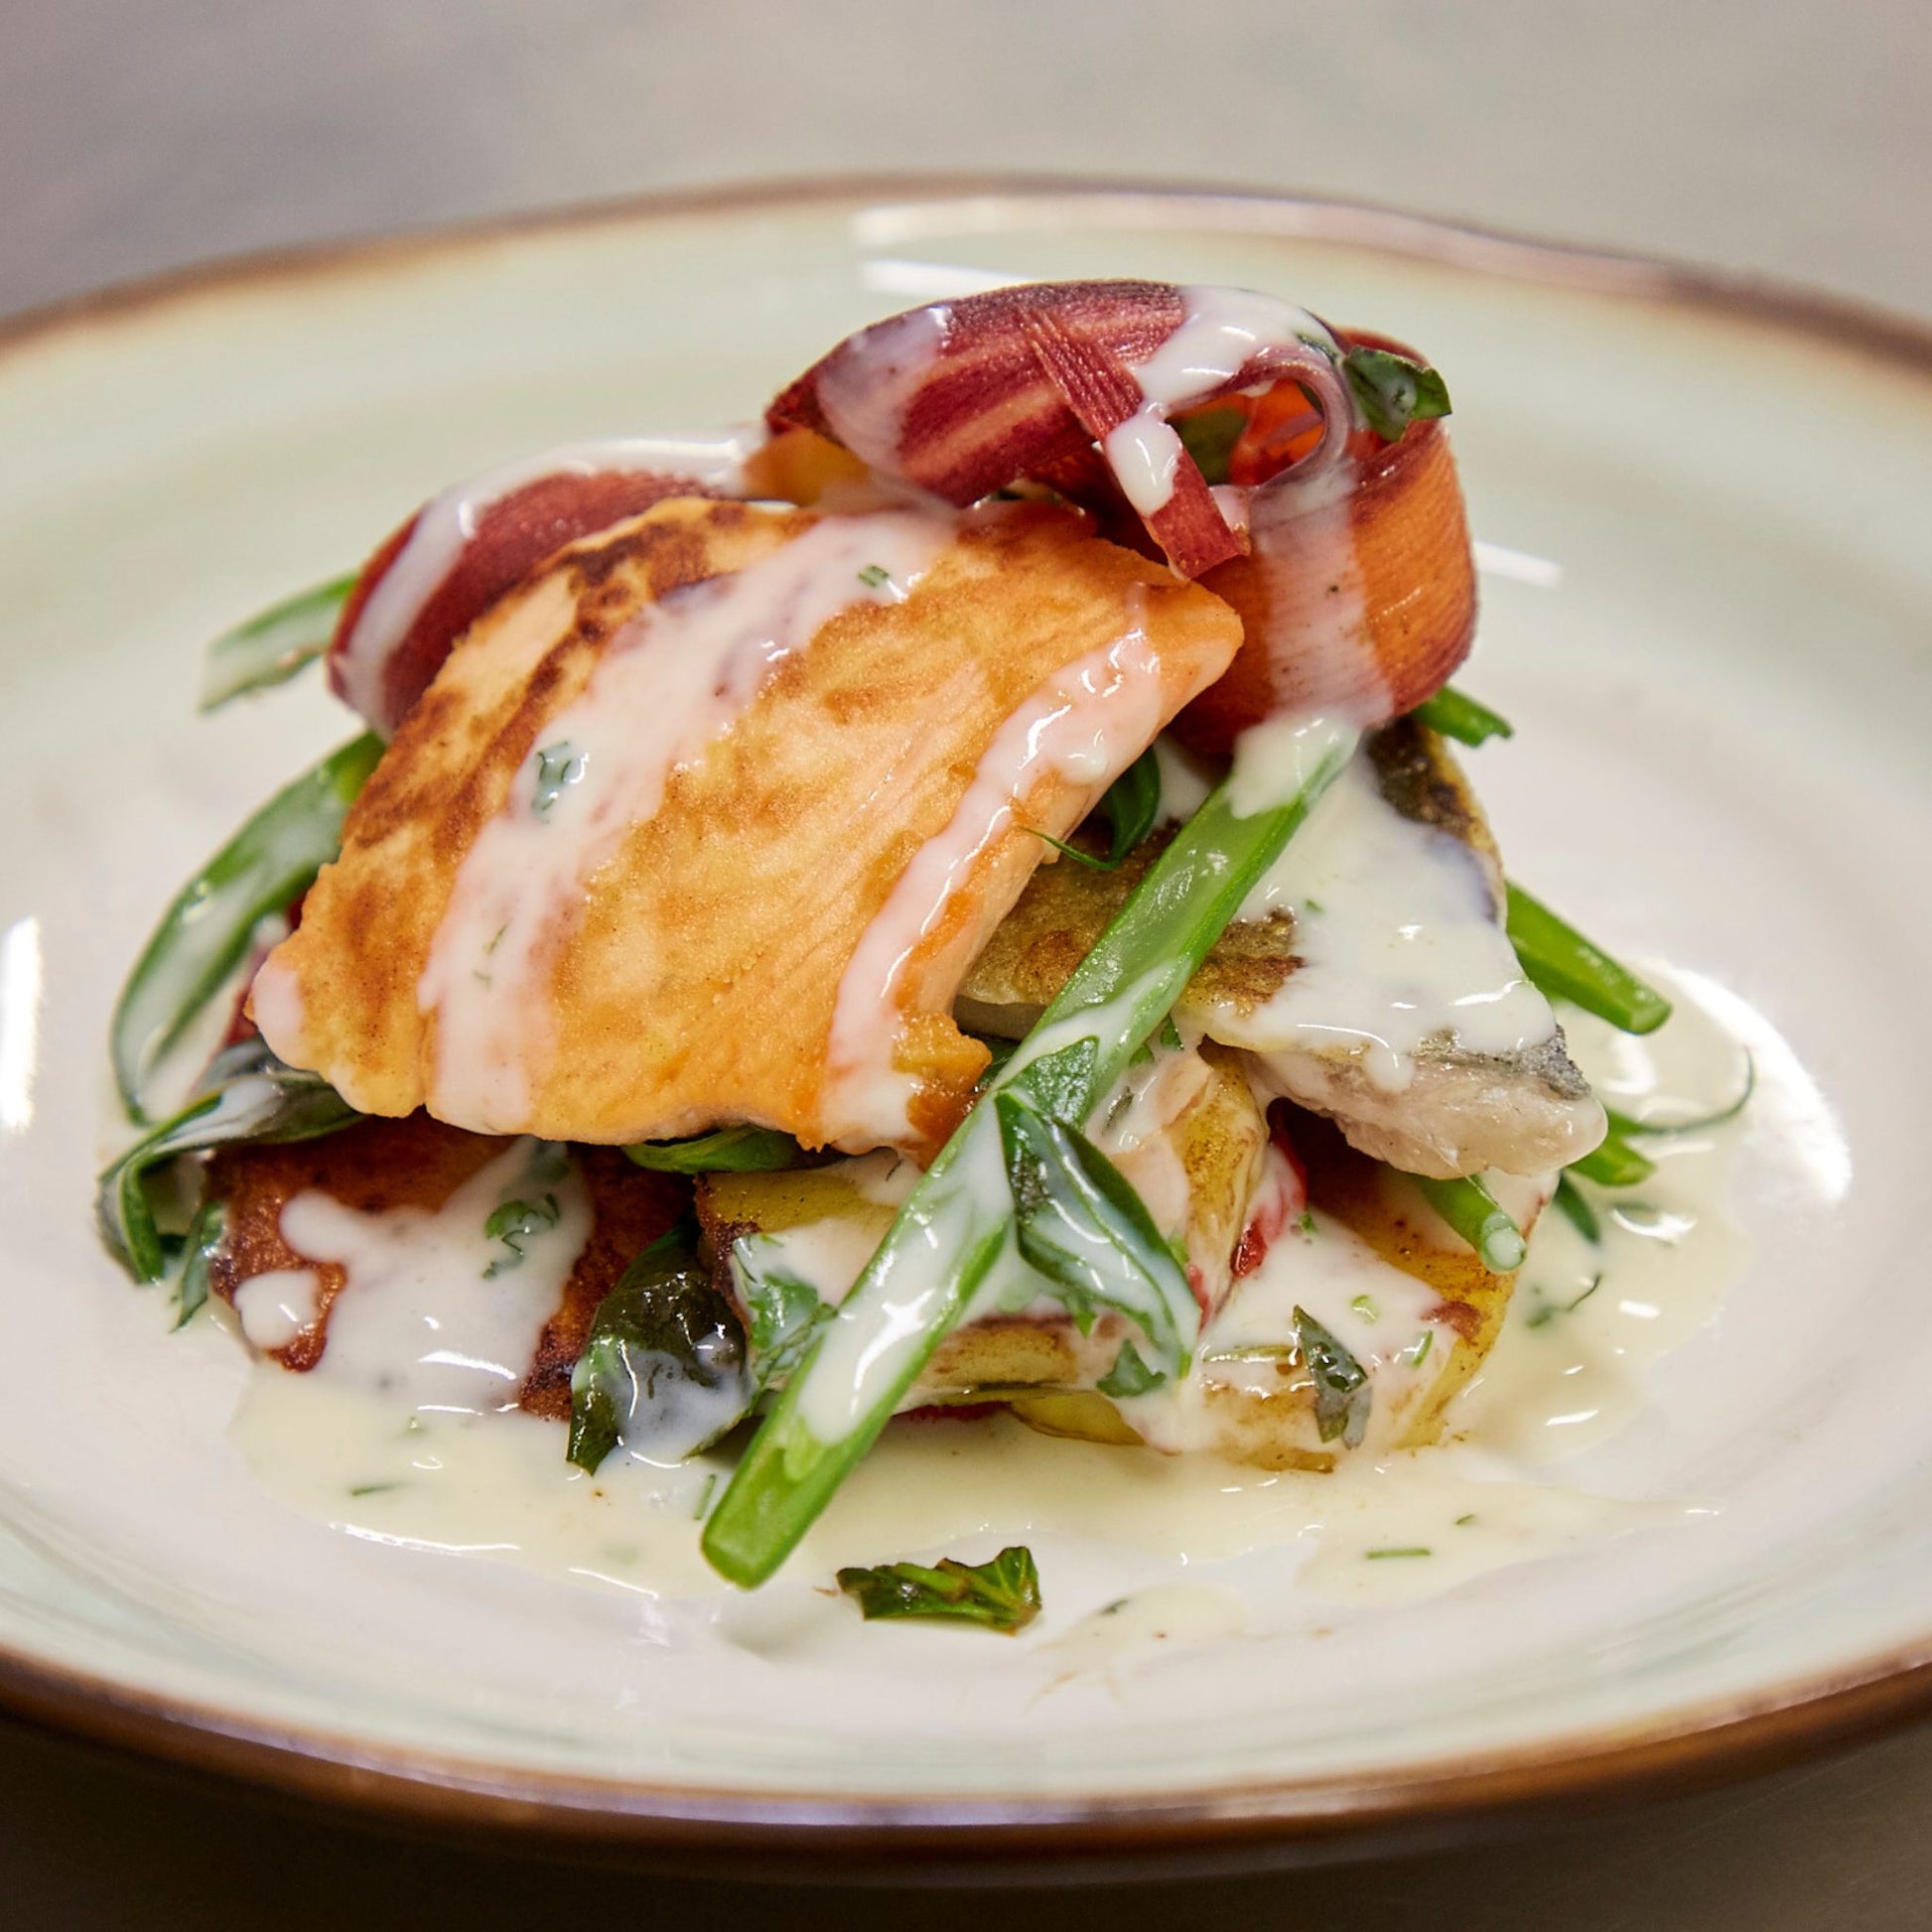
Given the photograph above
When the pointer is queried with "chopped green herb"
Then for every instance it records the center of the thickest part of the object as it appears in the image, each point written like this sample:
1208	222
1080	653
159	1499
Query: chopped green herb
373	1489
1417	1353
1463	1522
1003	1595
1548	1310
1462	718
785	1311
514	1223
730	1150
1364	1307
1129	1377
1392	391
558	766
875	577
1343	1395
1379	1555
1306	1224
704	1497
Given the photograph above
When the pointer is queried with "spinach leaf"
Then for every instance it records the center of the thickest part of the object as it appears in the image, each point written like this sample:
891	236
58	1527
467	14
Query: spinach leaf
663	1367
1130	805
785	1311
1341	1391
730	1150
1003	1595
1082	1227
203	1242
246	1095
1210	436
1392	391
1129	1377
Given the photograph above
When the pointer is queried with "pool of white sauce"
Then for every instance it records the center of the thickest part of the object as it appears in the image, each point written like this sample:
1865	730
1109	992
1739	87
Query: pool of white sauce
397	1464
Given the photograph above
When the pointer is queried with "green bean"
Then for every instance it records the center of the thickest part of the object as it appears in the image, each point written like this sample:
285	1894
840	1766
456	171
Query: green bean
1574	1206
1468	1206
1615	1163
204	934
271	647
1462	718
1568	966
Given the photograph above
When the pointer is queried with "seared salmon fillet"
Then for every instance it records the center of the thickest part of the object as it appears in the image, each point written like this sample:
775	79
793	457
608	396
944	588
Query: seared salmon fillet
704	822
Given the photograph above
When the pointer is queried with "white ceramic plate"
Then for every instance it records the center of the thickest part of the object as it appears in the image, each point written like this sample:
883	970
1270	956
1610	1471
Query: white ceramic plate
1722	712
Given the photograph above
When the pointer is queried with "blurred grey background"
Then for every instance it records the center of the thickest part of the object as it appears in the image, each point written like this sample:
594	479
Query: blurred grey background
1780	136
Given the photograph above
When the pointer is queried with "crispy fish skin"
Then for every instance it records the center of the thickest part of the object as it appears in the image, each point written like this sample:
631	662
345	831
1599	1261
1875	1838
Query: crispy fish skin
1462	1112
419	1163
698	983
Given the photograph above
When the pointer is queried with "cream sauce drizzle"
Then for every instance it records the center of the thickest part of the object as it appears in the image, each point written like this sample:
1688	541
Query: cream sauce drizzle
275	1308
350	1449
436	1314
1321	653
1396	930
669	684
1222	330
1085	723
448	522
1380	1315
1585	1321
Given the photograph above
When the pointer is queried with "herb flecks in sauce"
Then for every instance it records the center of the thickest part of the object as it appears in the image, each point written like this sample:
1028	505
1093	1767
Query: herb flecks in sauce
559	765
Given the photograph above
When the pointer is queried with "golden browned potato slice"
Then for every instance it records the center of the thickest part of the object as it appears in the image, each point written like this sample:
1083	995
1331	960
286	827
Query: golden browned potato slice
418	1163
1268	1419
1463	1112
647	949
1197	1171
1260	1413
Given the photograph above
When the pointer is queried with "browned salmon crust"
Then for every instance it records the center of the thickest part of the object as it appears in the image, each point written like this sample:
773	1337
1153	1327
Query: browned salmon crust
698	986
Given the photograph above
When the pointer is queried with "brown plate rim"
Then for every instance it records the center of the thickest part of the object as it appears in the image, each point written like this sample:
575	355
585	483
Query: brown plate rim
1725	1738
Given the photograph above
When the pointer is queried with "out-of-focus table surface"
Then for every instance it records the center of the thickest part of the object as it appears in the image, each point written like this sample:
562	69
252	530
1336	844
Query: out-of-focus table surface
1774	136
